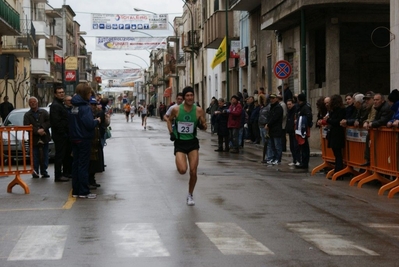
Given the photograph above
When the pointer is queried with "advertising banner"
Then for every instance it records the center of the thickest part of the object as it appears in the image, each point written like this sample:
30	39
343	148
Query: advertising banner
130	43
70	75
235	49
123	22
71	63
119	77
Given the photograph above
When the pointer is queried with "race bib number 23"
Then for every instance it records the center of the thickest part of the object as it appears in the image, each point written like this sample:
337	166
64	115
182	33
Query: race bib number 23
185	127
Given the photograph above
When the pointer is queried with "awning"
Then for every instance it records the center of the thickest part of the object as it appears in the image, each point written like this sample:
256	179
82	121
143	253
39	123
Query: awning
167	92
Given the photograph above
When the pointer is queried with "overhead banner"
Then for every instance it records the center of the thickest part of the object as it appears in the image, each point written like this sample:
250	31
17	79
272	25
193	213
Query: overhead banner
119	77
122	22
130	43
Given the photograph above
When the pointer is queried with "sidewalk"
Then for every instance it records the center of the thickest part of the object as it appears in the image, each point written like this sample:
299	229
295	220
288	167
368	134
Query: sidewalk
314	152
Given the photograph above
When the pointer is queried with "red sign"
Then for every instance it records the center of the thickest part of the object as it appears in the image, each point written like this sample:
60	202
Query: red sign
282	69
70	75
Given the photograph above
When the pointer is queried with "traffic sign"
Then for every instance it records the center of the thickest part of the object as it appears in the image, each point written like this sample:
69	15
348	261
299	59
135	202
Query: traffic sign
282	69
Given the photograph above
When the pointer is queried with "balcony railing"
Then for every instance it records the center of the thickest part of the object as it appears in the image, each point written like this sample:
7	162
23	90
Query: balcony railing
40	66
11	18
181	60
54	42
215	29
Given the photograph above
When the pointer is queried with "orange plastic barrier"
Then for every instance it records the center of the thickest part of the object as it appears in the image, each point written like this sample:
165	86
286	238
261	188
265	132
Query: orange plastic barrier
16	146
384	158
326	154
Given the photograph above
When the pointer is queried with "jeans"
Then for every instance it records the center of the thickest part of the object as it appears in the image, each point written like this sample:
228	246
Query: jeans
37	163
60	149
80	167
339	161
234	137
304	153
276	149
293	147
262	132
241	136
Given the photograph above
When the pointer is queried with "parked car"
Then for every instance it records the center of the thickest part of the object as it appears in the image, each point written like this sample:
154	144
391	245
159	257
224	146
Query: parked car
16	118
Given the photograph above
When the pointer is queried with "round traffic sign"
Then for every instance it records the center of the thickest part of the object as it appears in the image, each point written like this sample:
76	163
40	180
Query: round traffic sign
282	69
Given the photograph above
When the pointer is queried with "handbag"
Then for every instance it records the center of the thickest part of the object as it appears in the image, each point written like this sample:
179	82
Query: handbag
108	133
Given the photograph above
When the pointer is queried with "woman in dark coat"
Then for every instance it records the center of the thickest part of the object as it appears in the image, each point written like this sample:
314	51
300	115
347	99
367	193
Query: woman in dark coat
336	133
221	118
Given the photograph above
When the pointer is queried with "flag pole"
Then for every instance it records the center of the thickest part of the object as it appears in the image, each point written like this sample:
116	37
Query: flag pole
227	52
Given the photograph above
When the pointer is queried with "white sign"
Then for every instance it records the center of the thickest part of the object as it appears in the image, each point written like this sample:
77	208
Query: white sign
122	22
130	43
119	77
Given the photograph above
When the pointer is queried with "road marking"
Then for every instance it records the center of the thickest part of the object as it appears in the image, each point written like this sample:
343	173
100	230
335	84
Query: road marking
329	243
230	239
69	203
45	242
138	240
388	229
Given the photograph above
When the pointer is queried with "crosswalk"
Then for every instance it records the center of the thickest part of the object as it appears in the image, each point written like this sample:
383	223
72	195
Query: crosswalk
130	240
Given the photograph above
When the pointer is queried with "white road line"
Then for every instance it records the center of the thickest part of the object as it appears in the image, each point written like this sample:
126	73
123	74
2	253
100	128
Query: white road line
386	228
138	240
329	243
230	239
45	242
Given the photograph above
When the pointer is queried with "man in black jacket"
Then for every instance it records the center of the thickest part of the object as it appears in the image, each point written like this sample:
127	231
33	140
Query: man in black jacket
274	127
303	110
59	130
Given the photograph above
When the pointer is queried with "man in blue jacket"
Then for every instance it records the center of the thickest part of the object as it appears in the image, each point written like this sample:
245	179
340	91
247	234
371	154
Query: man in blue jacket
81	130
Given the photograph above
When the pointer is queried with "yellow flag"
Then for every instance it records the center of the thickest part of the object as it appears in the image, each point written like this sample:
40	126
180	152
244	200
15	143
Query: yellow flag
220	54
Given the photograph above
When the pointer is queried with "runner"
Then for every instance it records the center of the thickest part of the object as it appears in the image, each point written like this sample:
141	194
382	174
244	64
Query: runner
132	112
187	118
127	111
143	110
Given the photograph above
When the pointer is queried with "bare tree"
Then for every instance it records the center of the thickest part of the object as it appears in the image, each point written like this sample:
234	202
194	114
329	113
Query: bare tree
17	84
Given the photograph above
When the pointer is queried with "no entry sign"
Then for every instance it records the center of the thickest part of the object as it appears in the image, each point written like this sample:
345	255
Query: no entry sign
282	69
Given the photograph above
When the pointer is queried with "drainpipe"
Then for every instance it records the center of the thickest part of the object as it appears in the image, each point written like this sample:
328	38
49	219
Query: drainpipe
227	51
303	55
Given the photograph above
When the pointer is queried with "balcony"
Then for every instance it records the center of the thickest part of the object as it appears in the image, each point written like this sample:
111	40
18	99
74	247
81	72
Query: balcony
181	61
40	66
54	43
42	31
215	29
9	20
82	77
19	50
191	41
244	5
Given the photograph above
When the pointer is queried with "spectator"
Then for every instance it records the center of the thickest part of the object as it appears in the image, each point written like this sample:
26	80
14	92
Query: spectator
5	108
302	132
162	110
263	114
60	131
249	108
221	118
382	116
211	111
290	130
40	121
321	110
336	133
274	127
234	122
283	137
356	118
393	98
287	94
350	108
81	131
254	122
245	93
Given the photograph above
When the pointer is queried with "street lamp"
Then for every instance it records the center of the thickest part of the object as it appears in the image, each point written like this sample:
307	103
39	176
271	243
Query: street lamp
175	31
134	64
128	54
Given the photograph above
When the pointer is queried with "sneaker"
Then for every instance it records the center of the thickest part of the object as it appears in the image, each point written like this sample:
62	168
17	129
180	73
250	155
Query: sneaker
45	176
270	162
276	162
291	164
74	196
145	127
91	196
297	164
190	200
35	175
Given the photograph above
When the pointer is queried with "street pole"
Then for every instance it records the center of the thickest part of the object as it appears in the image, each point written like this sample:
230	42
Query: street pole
192	44
227	51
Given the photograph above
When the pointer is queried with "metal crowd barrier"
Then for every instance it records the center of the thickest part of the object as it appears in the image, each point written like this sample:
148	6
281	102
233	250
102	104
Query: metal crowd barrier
384	158
16	147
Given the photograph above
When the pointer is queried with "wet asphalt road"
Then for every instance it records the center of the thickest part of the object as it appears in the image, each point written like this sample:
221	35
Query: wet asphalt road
246	213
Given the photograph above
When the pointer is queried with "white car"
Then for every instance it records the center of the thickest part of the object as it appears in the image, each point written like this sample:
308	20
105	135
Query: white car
16	118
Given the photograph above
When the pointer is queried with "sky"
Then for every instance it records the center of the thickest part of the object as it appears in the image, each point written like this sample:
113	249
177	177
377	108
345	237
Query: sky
115	59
